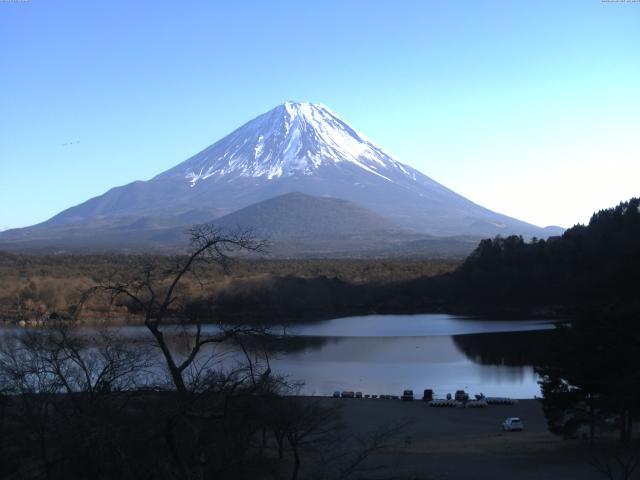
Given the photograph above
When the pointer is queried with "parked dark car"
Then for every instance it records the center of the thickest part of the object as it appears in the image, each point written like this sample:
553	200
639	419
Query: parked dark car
407	395
461	396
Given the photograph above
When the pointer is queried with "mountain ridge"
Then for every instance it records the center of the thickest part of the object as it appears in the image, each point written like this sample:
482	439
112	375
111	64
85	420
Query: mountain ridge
295	147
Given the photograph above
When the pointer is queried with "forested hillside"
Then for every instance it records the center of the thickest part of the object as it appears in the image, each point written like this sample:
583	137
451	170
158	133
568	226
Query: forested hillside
588	266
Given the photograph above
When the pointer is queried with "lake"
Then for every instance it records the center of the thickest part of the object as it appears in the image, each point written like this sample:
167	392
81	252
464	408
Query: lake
385	354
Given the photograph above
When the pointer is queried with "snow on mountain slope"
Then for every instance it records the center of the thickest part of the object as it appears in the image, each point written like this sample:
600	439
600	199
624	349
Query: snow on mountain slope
294	138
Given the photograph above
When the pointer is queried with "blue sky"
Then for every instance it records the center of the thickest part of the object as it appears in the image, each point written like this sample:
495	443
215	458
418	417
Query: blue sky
528	108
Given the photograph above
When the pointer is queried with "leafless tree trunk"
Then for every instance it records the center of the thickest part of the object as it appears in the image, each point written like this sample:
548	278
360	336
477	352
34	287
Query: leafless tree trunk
63	382
156	294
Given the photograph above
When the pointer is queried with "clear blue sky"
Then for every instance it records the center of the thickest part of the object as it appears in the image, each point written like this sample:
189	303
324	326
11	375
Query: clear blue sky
531	108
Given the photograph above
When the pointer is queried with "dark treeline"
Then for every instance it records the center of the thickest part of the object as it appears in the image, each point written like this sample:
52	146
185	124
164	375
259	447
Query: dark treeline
292	299
587	267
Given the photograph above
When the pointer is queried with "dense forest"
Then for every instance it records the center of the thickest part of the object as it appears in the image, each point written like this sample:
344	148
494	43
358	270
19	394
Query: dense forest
594	264
35	287
588	267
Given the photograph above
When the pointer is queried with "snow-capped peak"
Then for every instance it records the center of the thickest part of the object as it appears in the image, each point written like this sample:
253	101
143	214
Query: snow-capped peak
296	138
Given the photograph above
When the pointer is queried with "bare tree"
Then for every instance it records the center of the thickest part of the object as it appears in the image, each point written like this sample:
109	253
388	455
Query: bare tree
203	386
25	377
156	294
67	387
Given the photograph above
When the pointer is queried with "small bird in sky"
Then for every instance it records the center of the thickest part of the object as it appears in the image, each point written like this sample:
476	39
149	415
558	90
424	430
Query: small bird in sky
66	144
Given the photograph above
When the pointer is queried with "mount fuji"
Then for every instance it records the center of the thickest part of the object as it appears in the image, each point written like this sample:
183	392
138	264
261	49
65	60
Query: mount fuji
295	147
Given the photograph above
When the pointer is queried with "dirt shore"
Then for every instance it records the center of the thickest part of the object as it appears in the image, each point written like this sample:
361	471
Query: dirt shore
459	443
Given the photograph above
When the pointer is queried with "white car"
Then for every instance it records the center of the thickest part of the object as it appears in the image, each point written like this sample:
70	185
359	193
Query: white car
512	423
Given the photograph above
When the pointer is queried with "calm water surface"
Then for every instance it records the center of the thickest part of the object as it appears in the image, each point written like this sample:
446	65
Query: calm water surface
413	326
385	354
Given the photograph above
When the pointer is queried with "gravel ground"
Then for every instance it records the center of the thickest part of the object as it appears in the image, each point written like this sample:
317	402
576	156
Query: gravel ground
458	443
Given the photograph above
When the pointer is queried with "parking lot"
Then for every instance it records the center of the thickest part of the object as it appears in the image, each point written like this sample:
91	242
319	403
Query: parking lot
451	443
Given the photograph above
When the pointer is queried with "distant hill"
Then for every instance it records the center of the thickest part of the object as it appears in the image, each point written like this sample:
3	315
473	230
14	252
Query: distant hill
299	215
300	225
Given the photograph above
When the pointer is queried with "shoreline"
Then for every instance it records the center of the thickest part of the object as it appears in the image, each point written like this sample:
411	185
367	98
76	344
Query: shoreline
467	313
